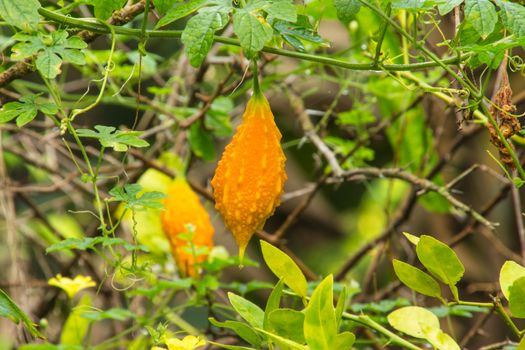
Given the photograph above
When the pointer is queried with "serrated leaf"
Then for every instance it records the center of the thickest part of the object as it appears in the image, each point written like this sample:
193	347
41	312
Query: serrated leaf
243	330
448	6
134	198
347	9
413	320
284	268
441	261
10	310
162	6
247	310
74	243
282	9
180	10
48	63
25	110
517	298
482	15
509	273
197	36
50	49
104	8
253	31
109	137
415	4
319	322
21	14
416	279
513	17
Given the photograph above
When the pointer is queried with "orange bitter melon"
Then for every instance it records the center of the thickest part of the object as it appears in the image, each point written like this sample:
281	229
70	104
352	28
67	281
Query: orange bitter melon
250	176
182	208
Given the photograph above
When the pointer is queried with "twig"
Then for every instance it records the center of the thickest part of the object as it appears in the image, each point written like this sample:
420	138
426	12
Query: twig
418	182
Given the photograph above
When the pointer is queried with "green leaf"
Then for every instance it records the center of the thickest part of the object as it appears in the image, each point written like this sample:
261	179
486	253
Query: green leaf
319	322
287	323
21	14
413	320
218	117
10	310
448	6
283	342
243	330
517	298
284	268
111	314
109	137
248	310
521	345
25	110
201	142
104	8
415	4
197	36
416	279
274	301
161	6
48	63
130	194
509	273
76	327
253	31
295	32
347	9
482	14
441	261
344	340
50	49
440	340
340	307
282	9
411	238
513	17
75	243
180	10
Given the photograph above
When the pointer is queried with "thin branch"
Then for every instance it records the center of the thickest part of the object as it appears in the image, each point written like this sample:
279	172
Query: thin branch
418	182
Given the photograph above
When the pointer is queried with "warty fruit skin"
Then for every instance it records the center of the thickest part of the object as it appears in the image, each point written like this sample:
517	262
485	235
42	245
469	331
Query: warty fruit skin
250	176
182	207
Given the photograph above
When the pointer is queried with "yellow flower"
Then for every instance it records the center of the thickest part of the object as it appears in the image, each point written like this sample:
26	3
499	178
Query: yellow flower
190	342
72	286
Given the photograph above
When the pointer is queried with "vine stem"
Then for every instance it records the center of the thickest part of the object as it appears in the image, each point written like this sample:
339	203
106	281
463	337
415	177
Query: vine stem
103	29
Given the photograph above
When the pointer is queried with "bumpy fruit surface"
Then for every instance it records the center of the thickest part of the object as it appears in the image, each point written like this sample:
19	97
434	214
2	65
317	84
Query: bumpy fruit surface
182	208
250	176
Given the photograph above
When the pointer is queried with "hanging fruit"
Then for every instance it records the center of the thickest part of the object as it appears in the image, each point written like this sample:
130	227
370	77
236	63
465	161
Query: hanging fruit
250	176
185	215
